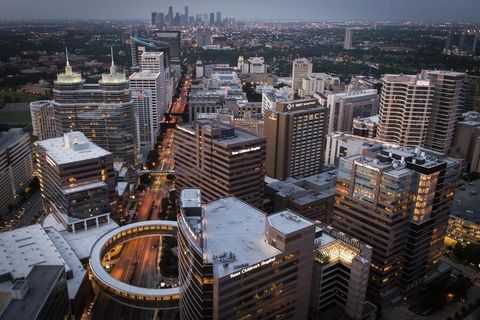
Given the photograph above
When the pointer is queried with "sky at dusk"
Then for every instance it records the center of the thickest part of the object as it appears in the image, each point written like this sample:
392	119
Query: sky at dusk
321	10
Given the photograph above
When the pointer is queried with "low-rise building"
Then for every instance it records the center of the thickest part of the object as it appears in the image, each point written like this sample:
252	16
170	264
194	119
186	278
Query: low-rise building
24	248
464	221
313	197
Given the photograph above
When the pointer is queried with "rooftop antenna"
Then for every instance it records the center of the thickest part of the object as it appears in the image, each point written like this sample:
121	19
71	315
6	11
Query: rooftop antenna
113	69
68	68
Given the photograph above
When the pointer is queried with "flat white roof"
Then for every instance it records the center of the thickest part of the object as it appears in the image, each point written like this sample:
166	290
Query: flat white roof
288	222
82	241
191	198
144	74
22	249
233	226
72	147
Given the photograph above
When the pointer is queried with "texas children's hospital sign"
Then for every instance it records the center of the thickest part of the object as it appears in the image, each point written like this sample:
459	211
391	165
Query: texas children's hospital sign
252	267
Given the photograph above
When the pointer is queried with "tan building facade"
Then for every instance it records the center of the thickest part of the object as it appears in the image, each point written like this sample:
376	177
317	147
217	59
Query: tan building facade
220	160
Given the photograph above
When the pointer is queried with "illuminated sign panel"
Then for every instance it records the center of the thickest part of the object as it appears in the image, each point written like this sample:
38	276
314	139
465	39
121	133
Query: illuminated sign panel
252	267
234	153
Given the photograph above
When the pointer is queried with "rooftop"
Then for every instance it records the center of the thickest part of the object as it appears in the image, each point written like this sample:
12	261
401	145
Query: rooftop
234	236
10	137
288	222
144	74
229	135
72	147
466	200
307	190
22	249
80	241
41	280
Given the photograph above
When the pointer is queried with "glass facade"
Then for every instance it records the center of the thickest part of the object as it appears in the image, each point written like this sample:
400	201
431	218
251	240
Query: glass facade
103	112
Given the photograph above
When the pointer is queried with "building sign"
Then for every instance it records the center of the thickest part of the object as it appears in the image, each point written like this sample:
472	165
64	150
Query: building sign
291	106
252	267
234	153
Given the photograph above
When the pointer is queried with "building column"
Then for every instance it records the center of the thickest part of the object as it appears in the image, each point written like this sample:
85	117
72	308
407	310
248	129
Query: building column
85	224
96	220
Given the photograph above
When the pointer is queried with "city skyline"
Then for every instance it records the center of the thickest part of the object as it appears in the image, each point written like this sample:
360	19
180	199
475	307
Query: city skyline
311	10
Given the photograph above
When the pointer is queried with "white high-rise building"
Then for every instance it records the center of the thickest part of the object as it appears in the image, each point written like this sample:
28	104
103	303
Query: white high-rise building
316	83
157	62
348	43
302	68
43	119
252	65
148	115
146	133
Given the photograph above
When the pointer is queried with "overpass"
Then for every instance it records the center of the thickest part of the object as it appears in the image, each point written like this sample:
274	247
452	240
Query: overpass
156	172
137	297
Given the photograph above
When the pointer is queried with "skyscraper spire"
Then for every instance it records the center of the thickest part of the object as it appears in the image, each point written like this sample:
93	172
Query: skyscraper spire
68	68
113	69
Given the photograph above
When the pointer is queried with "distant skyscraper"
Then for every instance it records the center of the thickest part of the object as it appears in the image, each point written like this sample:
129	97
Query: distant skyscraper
160	19
186	14
154	19
237	263
148	101
295	132
43	119
219	18
221	160
398	201
301	68
77	180
169	19
348	43
103	111
212	18
16	170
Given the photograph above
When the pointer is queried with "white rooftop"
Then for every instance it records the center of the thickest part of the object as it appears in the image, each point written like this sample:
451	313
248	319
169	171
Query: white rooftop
190	198
144	74
23	248
288	222
233	226
81	241
72	147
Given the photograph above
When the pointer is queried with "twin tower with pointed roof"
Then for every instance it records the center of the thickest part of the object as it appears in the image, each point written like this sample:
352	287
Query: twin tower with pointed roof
103	111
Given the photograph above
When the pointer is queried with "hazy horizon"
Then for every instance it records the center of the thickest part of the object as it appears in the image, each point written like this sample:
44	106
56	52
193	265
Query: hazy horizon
312	10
